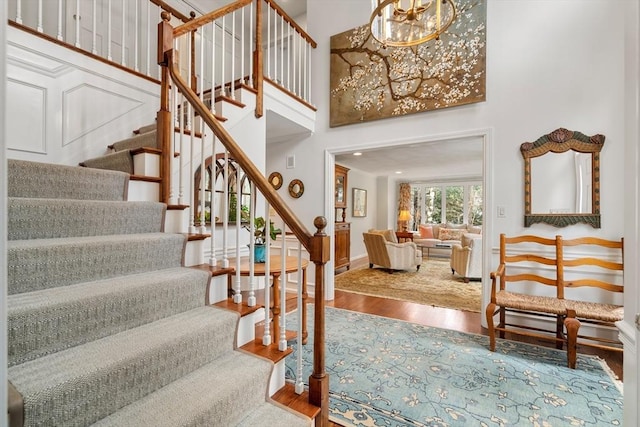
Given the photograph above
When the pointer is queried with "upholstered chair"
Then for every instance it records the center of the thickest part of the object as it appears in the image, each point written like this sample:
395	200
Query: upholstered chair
391	255
466	257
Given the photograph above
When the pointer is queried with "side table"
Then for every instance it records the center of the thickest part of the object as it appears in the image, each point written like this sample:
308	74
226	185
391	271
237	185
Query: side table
404	236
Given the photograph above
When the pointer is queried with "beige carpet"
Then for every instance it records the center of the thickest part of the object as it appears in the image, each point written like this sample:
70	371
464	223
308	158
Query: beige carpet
432	285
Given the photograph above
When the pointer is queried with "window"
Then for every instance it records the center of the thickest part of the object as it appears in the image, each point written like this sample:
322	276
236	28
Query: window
457	203
218	193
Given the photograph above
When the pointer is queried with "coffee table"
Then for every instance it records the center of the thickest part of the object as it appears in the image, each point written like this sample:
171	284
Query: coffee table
436	246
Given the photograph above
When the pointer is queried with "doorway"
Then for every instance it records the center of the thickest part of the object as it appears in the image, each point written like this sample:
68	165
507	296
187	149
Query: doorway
402	147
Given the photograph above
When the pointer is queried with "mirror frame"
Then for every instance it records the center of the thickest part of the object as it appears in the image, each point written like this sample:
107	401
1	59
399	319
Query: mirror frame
559	141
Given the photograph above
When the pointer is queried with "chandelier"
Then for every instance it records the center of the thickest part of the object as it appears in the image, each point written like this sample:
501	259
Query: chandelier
410	22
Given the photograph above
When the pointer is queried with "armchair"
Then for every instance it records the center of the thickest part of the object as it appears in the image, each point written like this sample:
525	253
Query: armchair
466	258
391	255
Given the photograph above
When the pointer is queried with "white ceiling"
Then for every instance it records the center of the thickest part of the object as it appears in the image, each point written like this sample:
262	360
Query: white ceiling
454	158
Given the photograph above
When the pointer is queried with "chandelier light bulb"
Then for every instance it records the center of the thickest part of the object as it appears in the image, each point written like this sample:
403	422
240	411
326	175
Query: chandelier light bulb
410	22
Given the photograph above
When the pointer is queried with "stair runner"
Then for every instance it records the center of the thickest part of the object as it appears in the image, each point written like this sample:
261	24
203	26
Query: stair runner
121	158
105	325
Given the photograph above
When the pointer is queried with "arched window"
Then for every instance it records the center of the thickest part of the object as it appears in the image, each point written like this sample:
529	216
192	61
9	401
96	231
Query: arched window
214	182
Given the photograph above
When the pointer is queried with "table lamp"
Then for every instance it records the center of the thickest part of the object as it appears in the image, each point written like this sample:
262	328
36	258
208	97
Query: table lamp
404	216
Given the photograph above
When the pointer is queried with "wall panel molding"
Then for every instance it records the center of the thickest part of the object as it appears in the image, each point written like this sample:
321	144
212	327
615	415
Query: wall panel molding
26	121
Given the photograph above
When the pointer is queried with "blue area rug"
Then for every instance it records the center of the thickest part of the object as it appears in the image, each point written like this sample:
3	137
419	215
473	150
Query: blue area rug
386	372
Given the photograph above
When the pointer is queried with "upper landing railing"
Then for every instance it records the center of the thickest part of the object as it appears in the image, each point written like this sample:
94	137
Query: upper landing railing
123	33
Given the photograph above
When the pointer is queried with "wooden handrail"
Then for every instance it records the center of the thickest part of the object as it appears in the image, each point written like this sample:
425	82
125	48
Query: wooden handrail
293	23
171	10
254	174
198	22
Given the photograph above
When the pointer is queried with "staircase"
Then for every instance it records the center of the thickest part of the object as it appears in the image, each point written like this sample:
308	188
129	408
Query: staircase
106	326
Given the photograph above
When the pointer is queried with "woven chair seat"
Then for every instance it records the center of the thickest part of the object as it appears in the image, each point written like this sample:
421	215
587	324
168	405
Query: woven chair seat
596	311
542	304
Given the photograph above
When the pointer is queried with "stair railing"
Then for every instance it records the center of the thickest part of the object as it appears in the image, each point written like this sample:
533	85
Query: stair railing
190	50
112	39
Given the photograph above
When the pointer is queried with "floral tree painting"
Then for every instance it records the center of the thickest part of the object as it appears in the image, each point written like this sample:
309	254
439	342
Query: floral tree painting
370	81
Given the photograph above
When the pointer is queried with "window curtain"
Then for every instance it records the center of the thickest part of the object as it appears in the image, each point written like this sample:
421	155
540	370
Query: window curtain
404	201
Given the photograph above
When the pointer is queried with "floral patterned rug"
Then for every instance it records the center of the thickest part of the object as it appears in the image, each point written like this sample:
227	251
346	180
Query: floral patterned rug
386	372
434	284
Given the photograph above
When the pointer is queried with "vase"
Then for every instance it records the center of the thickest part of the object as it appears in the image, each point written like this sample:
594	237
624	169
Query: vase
259	253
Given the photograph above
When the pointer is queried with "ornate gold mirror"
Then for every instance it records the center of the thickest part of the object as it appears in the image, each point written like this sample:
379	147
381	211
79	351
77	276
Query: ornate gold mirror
564	188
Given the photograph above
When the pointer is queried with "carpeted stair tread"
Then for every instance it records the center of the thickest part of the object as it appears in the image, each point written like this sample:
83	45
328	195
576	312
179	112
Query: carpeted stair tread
119	161
44	180
146	139
47	263
30	218
218	394
51	320
147	128
83	384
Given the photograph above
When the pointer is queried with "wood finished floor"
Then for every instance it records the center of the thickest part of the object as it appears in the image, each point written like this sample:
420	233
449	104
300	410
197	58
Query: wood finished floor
463	321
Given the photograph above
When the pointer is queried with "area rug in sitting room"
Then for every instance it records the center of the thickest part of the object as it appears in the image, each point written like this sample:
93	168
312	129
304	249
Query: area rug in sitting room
386	372
433	284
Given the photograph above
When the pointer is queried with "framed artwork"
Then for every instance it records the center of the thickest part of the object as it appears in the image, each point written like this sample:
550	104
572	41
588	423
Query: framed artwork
359	203
370	81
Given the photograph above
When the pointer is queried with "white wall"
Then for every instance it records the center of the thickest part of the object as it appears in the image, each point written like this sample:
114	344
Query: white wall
365	181
566	76
67	107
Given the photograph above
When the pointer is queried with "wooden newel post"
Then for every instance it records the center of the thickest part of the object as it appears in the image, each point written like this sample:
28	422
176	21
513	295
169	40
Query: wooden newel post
319	380
163	118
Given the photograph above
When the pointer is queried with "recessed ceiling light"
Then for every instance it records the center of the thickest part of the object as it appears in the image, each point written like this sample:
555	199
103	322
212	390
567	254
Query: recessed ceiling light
357	153
398	172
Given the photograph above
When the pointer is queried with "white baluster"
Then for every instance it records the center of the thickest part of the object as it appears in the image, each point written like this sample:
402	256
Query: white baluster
148	71
237	295
268	42
282	340
59	35
203	170
109	56
123	59
19	11
78	18
203	228
282	23
212	206
225	211
266	337
213	68
222	60
232	87
242	41
94	29
192	142
275	45
309	74
299	387
39	26
290	51
180	159
251	43
251	300
136	28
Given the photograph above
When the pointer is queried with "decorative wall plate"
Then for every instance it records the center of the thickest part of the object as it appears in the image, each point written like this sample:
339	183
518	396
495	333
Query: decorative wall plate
275	179
296	188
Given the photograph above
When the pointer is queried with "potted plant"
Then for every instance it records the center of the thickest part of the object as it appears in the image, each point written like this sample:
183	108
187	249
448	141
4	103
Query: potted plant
259	235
